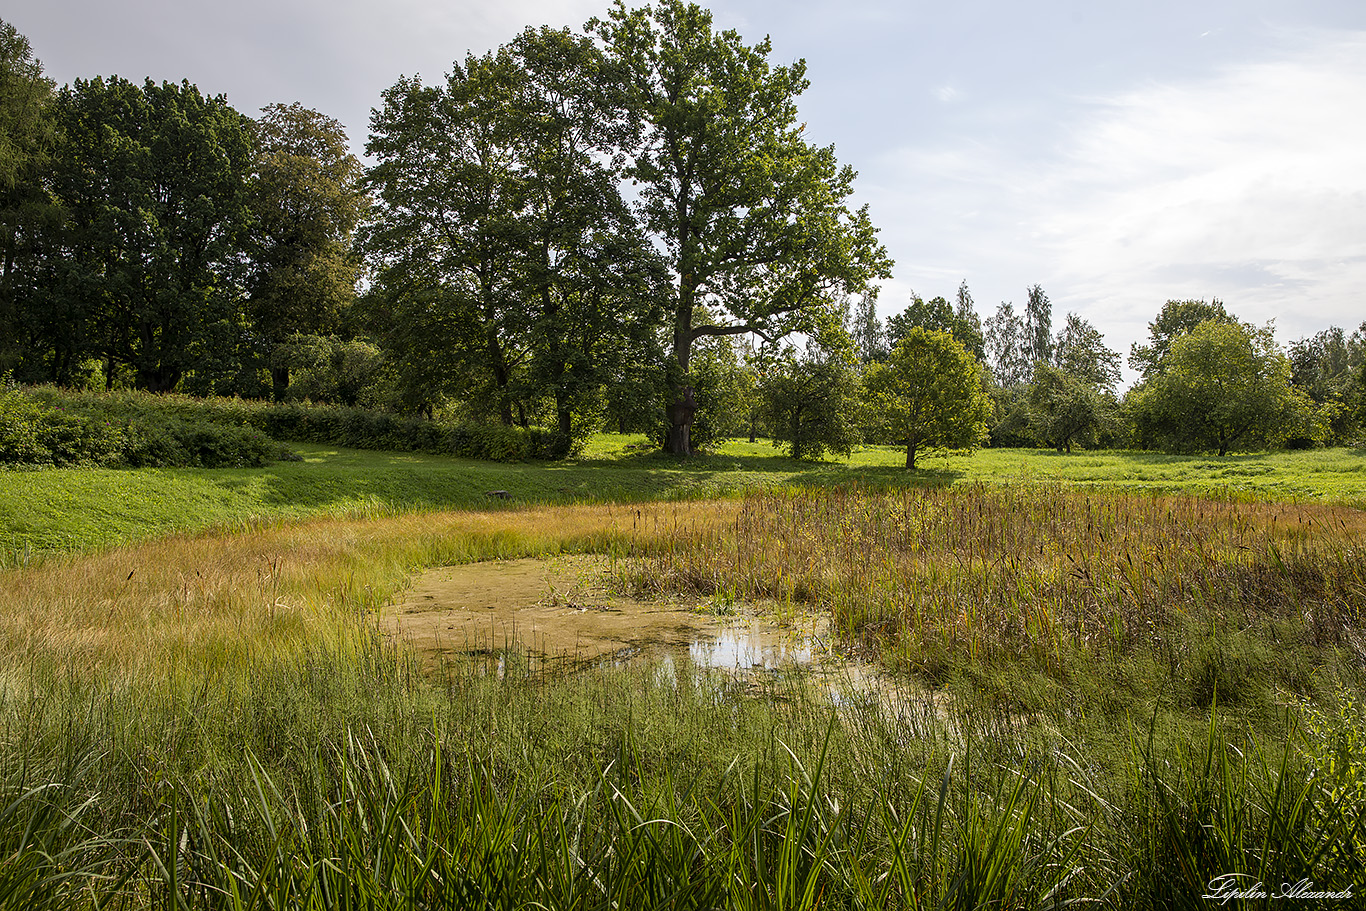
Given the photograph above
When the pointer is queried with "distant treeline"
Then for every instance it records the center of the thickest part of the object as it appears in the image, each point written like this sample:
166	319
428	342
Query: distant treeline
620	228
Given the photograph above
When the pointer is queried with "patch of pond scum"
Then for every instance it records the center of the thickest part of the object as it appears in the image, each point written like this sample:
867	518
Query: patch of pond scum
529	616
564	611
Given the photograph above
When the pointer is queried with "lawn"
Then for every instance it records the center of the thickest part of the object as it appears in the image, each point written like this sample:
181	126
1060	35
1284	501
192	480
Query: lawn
78	509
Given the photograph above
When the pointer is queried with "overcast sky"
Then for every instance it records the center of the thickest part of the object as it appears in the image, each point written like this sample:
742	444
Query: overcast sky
1117	153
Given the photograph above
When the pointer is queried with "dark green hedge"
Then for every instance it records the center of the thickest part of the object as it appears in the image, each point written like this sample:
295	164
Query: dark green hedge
43	433
185	419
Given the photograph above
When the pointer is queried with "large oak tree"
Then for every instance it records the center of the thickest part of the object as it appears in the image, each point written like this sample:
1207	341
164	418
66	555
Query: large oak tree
501	240
152	179
752	219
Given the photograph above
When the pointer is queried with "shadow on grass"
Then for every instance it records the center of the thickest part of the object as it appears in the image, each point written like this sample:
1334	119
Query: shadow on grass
879	477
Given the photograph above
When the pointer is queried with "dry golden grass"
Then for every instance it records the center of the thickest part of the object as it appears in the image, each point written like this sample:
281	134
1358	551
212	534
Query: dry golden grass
1006	572
208	602
987	572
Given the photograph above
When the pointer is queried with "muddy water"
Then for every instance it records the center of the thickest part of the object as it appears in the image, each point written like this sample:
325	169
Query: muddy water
563	610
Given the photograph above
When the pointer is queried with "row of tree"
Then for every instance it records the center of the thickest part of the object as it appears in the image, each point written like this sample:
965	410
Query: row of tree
1207	382
615	227
165	240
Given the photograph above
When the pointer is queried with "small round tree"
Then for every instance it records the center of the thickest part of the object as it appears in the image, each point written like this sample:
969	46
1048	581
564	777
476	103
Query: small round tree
929	394
1222	386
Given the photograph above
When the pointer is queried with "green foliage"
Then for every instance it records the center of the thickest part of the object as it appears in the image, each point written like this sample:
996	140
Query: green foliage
929	394
1330	367
26	211
24	125
940	316
1064	409
34	433
870	341
1038	343
1221	386
1176	319
1334	749
538	276
1007	347
163	425
1079	351
722	390
306	202
812	403
328	370
152	179
752	219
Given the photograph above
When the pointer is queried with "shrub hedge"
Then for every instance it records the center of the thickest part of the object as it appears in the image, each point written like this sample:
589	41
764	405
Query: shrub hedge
41	433
49	426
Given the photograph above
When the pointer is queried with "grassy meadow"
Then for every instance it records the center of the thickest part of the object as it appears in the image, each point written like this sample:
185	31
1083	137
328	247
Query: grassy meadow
82	508
1095	689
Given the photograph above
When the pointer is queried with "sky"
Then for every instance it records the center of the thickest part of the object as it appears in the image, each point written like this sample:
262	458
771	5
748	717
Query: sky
1119	154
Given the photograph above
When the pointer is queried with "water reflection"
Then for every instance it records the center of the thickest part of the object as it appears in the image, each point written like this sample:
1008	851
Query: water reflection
753	646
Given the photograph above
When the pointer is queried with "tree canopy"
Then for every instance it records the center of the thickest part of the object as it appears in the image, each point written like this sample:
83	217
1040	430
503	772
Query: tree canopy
939	315
1079	350
752	218
1220	386
152	180
930	394
812	403
306	202
1176	319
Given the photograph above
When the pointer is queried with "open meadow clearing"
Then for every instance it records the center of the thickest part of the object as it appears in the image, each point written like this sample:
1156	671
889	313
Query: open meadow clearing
1052	690
62	509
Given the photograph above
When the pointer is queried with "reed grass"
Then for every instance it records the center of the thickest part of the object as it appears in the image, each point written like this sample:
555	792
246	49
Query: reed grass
212	721
1242	598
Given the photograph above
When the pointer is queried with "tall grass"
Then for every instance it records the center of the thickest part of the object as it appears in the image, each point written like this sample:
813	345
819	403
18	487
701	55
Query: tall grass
645	792
212	721
935	579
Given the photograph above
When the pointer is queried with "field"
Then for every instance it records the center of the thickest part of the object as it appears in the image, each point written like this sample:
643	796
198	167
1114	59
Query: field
1103	678
66	509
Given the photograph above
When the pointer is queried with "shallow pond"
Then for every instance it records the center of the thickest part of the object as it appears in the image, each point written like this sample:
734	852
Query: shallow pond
564	610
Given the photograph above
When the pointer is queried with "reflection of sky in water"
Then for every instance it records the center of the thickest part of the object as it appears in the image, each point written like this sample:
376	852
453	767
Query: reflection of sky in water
740	647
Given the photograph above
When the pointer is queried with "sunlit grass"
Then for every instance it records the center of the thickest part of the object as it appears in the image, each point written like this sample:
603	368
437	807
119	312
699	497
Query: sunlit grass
1102	695
75	509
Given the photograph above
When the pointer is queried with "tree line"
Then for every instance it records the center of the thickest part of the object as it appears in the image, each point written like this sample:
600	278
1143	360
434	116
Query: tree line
619	227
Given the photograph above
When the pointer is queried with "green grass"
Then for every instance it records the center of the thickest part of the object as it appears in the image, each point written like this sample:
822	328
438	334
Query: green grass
209	720
79	509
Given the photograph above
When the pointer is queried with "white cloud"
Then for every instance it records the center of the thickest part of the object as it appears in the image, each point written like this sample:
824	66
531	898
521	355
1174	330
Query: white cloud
1248	185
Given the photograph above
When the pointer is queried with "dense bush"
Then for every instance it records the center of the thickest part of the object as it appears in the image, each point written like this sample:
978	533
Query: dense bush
50	433
333	425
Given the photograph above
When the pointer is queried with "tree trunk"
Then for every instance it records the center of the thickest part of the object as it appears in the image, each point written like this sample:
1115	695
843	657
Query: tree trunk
279	380
501	375
159	379
684	406
681	414
910	456
564	415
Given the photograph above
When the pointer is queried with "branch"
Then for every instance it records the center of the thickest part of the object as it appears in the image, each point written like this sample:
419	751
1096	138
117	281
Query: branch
701	331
